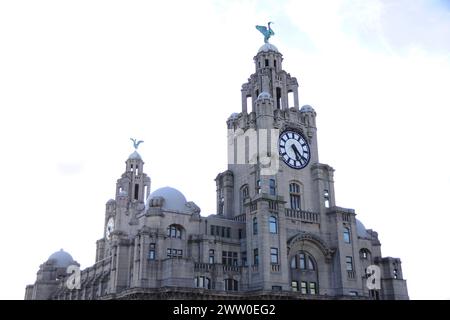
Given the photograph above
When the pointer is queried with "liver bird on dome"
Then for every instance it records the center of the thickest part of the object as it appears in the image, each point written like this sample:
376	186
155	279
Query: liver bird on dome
266	31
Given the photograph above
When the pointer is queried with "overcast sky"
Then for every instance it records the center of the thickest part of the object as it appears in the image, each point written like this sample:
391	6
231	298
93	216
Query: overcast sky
79	78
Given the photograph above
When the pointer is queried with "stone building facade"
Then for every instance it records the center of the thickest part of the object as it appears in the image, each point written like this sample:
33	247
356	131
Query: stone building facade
277	233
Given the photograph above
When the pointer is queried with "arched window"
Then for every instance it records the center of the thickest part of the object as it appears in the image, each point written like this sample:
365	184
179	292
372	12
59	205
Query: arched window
174	231
273	224
364	254
346	235
243	197
231	285
294	195
255	225
304	273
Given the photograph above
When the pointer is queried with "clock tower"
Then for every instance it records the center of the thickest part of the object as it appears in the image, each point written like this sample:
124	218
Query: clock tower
276	184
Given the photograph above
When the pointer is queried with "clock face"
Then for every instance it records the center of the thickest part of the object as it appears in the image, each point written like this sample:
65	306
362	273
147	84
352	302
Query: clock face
109	228
294	149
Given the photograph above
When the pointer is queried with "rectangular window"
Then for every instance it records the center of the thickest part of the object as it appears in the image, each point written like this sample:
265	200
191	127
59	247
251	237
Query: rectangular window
346	235
273	255
276	288
169	253
223	232
244	258
228	232
326	197
240	234
152	252
312	288
294	285
266	62
303	287
349	263
229	258
272	187
353	293
235	259
258	186
217	231
212	230
255	225
211	256
255	257
295	201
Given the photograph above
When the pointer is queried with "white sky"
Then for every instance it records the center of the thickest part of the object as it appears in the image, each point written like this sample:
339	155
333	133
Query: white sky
79	78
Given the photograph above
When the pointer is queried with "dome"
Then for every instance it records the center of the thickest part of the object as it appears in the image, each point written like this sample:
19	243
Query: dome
361	230
268	47
174	200
264	95
233	116
111	201
307	108
135	156
62	259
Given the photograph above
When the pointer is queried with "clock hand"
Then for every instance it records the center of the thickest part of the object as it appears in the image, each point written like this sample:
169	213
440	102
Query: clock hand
297	153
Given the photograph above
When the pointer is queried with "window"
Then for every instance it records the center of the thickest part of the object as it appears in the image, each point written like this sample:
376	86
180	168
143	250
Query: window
294	263
294	196
349	263
275	63
294	285
202	282
258	186
395	274
212	229
244	258
255	257
302	261
223	232
326	197
272	187
174	231
273	224
303	287
174	253
278	100
310	263
244	196
228	232
231	285
364	254
240	233
346	235
229	258
151	252
353	293
211	256
312	288
266	62
273	255
136	192
255	225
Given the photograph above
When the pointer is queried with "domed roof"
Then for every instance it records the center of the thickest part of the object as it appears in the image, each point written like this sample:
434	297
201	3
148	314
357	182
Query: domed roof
62	259
111	201
268	47
307	108
361	230
264	95
135	156
233	116
174	200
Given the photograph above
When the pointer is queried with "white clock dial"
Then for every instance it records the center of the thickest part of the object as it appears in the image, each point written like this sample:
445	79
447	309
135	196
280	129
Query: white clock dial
294	149
109	228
